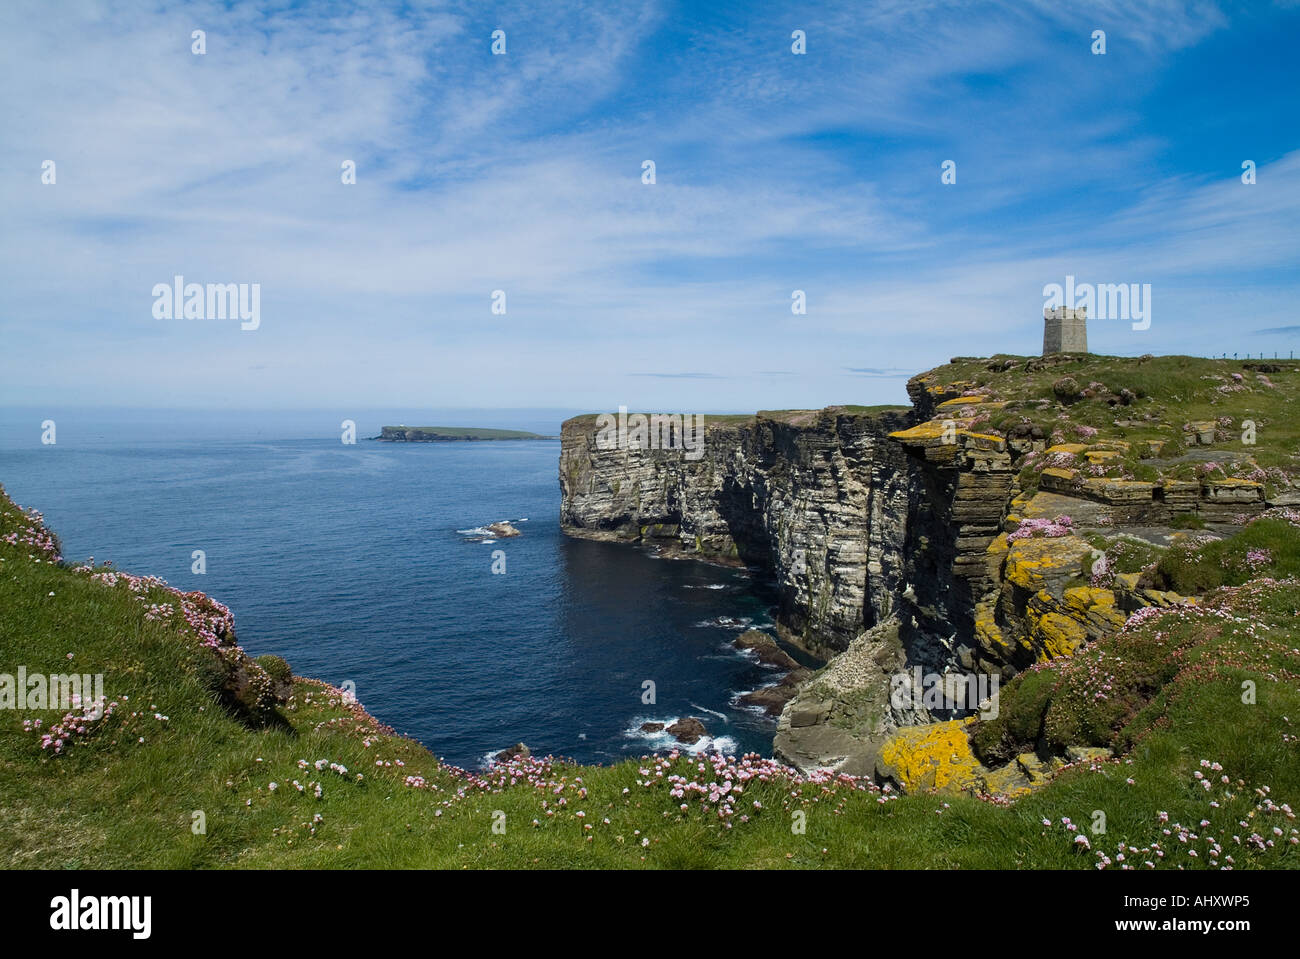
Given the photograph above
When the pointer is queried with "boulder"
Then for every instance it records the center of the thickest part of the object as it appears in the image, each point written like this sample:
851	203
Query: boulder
517	751
771	699
810	714
1035	563
1202	432
936	756
766	648
688	730
1085	754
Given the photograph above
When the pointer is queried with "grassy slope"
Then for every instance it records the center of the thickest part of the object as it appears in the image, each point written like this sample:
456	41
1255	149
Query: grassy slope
1168	392
110	800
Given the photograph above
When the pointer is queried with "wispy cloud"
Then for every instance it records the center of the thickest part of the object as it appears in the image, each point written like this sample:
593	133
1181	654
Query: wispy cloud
880	373
681	376
522	173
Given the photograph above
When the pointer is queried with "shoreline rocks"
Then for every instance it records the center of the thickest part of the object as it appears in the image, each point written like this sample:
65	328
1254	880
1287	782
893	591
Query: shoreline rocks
771	699
766	649
517	751
688	730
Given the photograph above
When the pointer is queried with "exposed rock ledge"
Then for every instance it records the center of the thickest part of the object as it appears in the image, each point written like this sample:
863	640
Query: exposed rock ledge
841	715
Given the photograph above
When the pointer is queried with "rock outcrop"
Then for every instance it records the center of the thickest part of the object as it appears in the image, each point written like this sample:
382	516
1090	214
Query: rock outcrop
688	730
874	527
771	698
841	715
964	537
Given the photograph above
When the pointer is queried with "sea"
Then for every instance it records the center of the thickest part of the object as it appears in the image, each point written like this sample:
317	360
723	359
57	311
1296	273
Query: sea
369	563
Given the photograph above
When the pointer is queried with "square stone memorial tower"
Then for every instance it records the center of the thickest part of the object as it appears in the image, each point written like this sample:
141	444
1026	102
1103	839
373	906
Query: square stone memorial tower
1065	330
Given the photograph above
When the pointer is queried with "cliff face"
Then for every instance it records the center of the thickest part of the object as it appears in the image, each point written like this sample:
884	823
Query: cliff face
1011	516
874	527
818	499
861	517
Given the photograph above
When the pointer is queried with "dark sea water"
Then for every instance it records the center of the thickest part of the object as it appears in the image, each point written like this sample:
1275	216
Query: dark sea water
352	562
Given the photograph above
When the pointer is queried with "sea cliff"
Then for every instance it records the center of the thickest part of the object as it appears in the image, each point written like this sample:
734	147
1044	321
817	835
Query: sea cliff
816	498
1013	514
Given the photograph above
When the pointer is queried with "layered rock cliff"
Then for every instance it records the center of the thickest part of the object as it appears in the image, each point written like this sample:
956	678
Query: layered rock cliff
966	536
818	499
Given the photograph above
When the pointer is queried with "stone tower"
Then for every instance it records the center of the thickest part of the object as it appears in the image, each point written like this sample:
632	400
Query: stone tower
1065	330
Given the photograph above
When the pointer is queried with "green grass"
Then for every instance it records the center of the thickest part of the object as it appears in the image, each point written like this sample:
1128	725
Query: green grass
125	795
1126	554
1218	683
1164	394
1196	565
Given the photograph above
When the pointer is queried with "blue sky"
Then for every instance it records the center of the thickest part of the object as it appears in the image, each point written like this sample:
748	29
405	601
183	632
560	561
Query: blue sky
522	173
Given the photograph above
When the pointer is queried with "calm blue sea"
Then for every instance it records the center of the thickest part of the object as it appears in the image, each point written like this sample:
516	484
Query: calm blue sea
352	562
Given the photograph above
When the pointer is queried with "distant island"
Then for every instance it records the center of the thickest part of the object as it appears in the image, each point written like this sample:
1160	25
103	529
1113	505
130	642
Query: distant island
448	434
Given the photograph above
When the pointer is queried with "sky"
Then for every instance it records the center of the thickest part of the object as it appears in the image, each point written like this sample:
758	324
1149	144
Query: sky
522	172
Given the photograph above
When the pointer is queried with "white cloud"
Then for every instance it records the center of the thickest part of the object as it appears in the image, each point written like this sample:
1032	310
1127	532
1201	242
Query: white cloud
522	173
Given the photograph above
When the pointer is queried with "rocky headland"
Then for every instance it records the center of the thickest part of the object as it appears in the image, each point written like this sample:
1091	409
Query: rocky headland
1021	509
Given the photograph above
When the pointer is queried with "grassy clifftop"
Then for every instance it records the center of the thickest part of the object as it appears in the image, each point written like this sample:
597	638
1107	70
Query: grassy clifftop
179	772
587	421
1120	418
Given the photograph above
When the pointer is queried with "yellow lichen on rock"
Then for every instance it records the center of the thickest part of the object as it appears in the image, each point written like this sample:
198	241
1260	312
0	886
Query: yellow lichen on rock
948	432
1032	562
1084	598
985	441
927	432
959	401
987	632
1102	456
937	756
1127	581
1058	636
1055	478
1009	781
